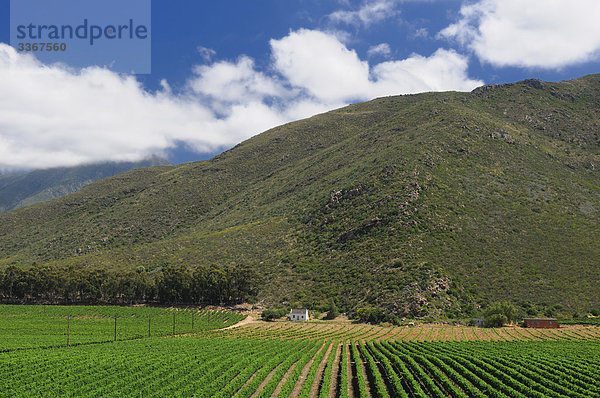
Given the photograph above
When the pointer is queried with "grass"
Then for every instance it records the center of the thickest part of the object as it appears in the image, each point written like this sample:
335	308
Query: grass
32	326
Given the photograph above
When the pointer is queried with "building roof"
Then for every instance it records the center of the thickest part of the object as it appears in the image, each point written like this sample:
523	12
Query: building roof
540	319
298	311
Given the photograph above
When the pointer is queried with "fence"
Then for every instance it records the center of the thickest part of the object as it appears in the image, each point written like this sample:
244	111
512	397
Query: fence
58	326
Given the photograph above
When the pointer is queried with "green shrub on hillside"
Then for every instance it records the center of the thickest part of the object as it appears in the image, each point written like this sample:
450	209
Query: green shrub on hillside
332	310
498	314
271	315
374	316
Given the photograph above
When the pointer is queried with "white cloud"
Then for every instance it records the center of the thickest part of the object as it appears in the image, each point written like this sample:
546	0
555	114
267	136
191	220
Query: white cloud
422	33
331	73
234	83
51	115
206	53
533	33
320	64
370	13
54	116
444	70
382	49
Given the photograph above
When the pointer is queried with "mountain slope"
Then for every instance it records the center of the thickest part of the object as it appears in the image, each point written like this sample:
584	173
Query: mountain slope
20	190
419	204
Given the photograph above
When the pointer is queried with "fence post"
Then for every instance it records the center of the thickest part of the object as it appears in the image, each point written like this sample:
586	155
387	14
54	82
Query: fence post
149	320
115	327
68	329
173	322
192	321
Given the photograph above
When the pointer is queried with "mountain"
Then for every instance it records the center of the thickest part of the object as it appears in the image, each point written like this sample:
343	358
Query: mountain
428	205
20	190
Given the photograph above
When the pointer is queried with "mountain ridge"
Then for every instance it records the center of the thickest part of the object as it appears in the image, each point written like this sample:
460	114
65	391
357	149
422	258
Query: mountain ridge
426	204
24	189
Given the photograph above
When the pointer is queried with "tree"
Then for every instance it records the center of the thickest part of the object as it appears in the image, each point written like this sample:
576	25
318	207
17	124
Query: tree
210	285
175	284
332	311
495	320
271	315
370	315
498	314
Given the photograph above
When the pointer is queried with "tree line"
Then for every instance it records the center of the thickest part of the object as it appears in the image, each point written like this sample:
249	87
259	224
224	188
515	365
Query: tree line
168	284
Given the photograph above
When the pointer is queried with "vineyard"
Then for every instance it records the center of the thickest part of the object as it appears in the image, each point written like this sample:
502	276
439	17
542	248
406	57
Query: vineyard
424	332
47	326
221	367
285	359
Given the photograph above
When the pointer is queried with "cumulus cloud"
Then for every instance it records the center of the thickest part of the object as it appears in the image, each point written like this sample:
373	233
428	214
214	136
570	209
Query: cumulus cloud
227	83
51	115
533	33
320	64
382	49
444	70
369	13
330	72
54	116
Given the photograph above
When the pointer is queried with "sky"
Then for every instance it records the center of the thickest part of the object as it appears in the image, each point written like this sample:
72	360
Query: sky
223	71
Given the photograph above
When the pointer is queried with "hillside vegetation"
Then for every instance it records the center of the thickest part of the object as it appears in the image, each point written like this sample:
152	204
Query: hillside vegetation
20	190
429	204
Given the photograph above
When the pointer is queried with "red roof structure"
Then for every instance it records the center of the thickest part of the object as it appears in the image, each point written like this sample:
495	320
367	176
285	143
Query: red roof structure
542	323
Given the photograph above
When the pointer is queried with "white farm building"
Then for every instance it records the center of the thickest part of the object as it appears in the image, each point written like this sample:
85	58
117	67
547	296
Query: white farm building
299	315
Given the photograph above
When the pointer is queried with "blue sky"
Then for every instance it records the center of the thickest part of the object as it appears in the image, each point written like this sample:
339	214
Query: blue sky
224	71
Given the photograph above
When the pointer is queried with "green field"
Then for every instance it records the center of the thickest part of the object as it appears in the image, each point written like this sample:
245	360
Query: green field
221	367
281	359
25	326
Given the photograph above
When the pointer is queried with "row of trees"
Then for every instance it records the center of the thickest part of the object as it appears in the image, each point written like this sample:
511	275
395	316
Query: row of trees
167	285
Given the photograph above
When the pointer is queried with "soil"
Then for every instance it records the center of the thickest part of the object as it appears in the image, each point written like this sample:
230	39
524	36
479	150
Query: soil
249	319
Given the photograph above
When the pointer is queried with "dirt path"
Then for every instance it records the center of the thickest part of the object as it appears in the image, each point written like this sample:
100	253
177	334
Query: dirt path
335	370
302	378
314	389
249	319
